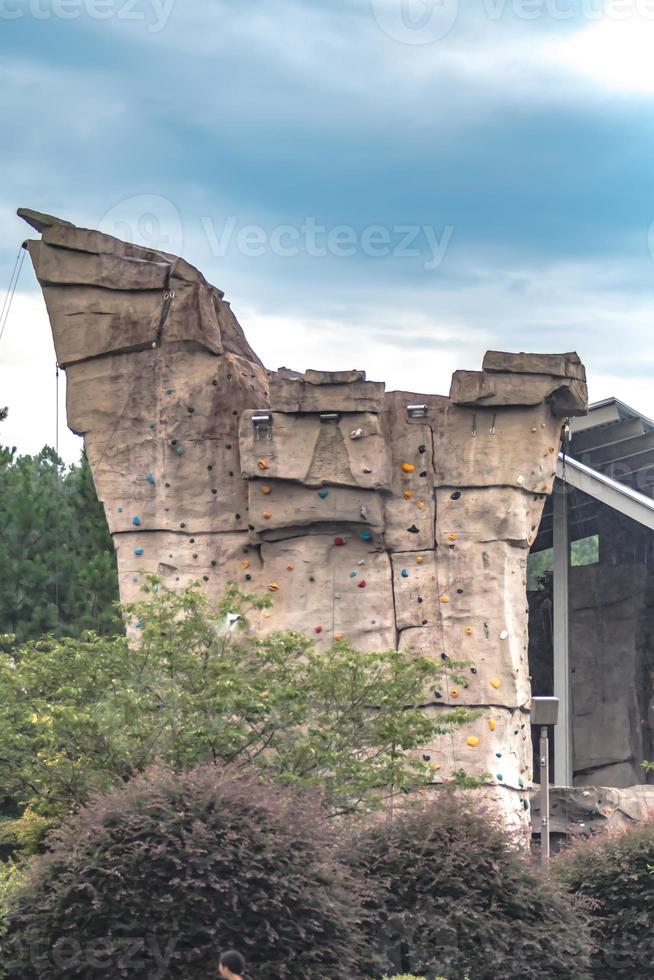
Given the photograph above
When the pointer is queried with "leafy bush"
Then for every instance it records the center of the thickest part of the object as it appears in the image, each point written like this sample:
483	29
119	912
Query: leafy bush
78	715
613	881
157	877
450	896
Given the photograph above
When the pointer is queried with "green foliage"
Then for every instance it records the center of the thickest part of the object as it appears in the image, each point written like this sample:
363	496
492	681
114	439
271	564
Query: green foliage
449	895
80	714
612	879
56	554
170	868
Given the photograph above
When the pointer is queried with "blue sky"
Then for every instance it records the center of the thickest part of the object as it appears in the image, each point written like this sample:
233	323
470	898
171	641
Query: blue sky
483	175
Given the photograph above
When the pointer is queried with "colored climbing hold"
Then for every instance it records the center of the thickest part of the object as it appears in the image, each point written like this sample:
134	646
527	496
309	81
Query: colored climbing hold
362	584
408	468
419	559
273	587
420	505
454	693
404	573
413	529
504	634
266	515
353	574
498	755
152	425
180	450
356	433
492	724
169	391
472	741
456	495
444	599
290	567
136	521
266	489
339	541
138	551
366	536
495	682
245	563
263	464
338	636
318	629
468	631
323	494
451	536
500	777
120	510
150	479
521	783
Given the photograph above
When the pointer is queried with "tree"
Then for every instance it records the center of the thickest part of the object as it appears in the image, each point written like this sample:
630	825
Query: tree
78	715
612	879
450	895
155	878
59	572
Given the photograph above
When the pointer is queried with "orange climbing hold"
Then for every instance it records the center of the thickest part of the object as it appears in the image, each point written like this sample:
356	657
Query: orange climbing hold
495	682
420	505
408	468
290	567
266	489
245	563
454	693
419	559
266	515
263	464
338	636
445	598
472	741
407	495
273	587
468	631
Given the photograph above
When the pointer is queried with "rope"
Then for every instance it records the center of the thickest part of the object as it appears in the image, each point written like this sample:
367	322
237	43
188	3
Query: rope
9	295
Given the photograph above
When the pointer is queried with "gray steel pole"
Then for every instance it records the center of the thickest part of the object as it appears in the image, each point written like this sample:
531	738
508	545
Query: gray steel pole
544	796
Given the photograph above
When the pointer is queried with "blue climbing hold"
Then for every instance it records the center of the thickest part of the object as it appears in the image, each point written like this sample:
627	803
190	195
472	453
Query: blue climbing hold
366	536
500	777
169	391
135	578
138	624
179	450
136	521
138	551
120	510
150	479
498	755
353	574
404	573
323	493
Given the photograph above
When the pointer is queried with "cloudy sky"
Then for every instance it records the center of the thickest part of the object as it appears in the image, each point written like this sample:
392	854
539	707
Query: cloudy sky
396	185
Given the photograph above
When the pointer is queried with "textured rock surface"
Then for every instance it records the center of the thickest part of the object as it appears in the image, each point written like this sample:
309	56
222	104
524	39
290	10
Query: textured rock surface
393	527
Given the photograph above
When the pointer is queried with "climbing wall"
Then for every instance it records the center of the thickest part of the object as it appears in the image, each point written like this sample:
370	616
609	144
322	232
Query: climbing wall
395	520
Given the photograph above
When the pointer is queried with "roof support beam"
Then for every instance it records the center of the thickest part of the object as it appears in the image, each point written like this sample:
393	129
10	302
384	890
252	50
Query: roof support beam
616	495
563	757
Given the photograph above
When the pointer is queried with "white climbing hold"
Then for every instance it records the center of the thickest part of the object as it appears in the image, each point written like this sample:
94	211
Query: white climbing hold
520	479
356	433
504	634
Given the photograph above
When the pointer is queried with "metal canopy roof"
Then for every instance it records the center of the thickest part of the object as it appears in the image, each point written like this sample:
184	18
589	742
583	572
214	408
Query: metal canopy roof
609	460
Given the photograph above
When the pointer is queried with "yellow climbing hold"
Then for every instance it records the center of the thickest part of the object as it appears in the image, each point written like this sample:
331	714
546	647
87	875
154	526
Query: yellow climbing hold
267	615
407	495
472	741
263	464
445	598
468	631
419	559
266	489
451	536
420	505
408	468
454	693
273	587
492	724
495	682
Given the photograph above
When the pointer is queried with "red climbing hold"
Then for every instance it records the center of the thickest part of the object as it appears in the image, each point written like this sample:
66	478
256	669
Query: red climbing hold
362	584
318	629
339	541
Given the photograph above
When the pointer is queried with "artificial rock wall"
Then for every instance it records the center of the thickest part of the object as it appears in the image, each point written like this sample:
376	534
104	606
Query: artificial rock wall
387	525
